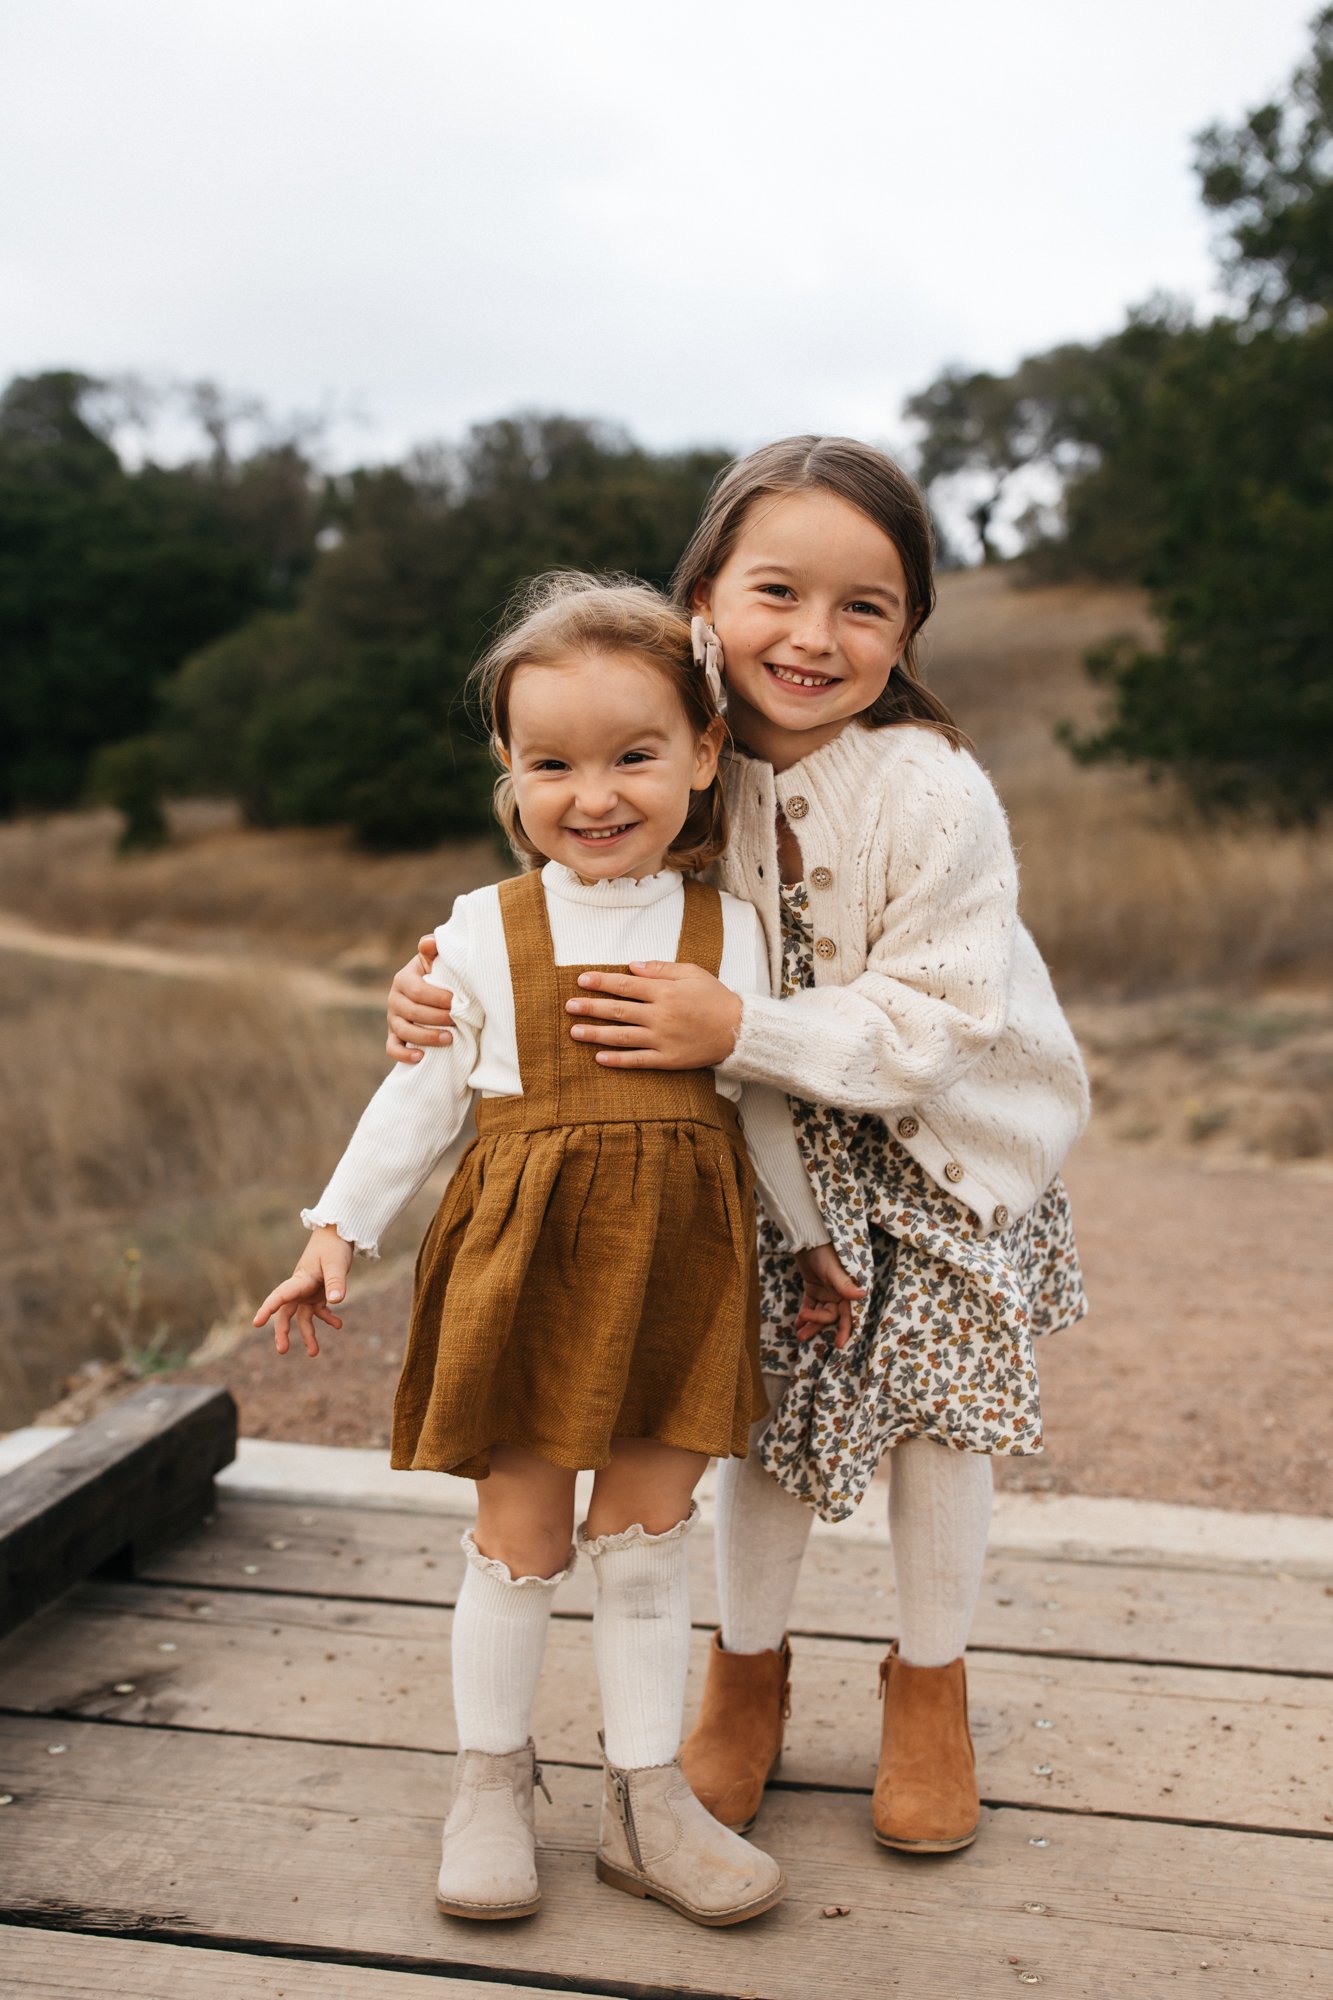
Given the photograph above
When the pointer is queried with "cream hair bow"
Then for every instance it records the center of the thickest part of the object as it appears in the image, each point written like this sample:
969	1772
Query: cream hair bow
708	655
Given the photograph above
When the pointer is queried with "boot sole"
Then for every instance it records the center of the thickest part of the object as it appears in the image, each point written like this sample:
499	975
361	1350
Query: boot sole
488	1913
634	1885
927	1846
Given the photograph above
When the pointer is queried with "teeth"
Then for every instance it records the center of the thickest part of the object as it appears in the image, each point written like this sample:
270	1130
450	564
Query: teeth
598	833
803	680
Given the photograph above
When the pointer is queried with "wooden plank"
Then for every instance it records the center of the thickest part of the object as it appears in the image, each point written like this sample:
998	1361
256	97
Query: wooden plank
1189	1617
115	1485
60	1965
290	1845
1224	1748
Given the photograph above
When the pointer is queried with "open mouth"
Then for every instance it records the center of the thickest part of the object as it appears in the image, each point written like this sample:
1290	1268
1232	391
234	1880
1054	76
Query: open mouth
600	835
810	683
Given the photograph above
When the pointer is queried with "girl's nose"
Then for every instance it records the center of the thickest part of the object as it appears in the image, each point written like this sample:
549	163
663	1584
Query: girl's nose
597	801
813	632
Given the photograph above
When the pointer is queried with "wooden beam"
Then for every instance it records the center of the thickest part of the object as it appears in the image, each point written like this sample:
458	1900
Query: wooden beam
118	1485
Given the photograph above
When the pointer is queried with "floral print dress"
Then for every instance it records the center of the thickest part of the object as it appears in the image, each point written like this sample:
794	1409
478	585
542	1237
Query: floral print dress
941	1346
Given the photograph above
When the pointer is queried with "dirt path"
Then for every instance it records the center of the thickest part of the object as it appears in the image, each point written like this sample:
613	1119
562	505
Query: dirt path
1200	1375
316	989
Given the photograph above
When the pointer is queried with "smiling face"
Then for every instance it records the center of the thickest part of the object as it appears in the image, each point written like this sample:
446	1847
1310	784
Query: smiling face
603	763
812	610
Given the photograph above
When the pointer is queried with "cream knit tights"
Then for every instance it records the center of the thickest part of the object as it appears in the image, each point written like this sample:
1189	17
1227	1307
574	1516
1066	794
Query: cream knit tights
499	1640
939	1517
641	1640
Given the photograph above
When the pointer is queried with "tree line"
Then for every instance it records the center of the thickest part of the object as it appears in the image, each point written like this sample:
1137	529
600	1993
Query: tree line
246	623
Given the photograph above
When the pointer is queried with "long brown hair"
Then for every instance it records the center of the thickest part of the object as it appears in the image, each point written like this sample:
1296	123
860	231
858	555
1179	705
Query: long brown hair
871	482
567	613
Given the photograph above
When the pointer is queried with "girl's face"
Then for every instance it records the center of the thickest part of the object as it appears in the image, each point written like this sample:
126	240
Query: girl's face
812	610
603	763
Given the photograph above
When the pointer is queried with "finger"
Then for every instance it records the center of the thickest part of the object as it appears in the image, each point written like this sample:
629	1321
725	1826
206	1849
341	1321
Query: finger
607	1009
282	1330
427	948
426	1006
290	1288
622	984
332	1275
400	1051
634	1058
329	1319
606	1036
305	1325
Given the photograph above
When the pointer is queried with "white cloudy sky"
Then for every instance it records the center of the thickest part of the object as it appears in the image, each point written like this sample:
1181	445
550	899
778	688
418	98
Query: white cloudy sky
708	219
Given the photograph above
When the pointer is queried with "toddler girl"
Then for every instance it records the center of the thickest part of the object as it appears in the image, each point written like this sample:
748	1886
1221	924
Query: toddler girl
587	1295
936	1087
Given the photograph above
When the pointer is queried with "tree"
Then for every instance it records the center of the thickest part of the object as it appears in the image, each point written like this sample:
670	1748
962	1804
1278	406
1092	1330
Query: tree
351	709
1271	180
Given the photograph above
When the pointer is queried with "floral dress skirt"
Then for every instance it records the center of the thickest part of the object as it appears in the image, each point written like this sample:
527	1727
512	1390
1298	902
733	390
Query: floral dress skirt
941	1346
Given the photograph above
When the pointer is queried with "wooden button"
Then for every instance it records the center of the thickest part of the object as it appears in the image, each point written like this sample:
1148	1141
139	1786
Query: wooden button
908	1128
952	1171
822	878
826	947
796	807
1001	1216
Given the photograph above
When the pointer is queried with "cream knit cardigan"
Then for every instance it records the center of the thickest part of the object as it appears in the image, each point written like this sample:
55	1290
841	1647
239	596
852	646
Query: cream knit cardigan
932	1007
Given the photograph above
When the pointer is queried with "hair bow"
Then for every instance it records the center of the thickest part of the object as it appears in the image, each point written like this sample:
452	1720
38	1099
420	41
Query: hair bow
708	655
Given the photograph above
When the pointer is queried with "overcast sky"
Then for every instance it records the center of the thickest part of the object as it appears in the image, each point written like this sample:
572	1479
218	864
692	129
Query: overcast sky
707	219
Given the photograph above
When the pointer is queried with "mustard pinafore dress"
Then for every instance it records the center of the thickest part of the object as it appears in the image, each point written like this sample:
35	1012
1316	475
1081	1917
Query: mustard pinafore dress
591	1271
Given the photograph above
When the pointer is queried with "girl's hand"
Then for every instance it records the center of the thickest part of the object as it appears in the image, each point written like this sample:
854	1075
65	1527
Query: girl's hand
657	1016
318	1282
827	1299
419	1016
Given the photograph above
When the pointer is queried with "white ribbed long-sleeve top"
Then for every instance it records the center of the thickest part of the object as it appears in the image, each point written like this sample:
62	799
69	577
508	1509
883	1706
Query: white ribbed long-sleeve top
421	1114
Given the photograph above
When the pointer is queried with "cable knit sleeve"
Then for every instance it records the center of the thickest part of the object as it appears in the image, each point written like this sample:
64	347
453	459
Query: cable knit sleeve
766	1121
933	996
420	1111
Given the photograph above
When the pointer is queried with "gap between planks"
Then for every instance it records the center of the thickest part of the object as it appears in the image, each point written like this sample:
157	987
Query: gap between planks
1172	1743
210	1837
1039	1606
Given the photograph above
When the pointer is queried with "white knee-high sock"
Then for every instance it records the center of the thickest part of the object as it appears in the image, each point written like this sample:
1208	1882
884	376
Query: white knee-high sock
641	1641
499	1639
761	1534
939	1518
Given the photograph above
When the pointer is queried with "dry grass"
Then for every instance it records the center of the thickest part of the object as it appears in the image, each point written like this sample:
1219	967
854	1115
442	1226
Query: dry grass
1125	893
158	1142
222	887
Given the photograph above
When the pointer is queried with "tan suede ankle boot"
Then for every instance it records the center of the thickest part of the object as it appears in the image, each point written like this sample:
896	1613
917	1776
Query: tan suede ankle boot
736	1744
926	1787
488	1866
657	1840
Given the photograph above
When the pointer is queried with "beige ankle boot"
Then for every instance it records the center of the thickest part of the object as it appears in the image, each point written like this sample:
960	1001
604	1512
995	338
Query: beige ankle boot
488	1865
657	1840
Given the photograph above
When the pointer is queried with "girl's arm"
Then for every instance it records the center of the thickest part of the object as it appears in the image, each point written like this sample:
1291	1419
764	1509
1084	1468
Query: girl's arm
415	1117
932	998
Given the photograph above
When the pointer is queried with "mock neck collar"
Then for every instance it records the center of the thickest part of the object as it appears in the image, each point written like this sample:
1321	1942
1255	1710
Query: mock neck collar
623	893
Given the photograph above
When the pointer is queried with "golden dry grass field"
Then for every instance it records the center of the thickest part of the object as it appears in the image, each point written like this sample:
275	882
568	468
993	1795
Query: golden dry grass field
160	1131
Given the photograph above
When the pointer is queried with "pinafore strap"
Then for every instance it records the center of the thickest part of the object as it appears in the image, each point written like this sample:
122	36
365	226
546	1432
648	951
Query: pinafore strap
563	1084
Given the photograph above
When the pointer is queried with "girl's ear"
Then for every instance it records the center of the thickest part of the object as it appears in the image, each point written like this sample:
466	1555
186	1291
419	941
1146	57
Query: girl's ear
707	753
501	752
701	604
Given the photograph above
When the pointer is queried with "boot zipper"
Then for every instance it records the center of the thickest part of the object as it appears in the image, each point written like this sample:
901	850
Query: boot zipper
539	1780
884	1675
621	1789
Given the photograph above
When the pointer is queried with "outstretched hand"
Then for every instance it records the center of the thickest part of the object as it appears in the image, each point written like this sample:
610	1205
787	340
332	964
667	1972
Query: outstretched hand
826	1300
420	1016
318	1283
658	1015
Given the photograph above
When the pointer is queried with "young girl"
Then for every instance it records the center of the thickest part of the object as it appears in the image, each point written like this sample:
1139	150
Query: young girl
936	1087
587	1295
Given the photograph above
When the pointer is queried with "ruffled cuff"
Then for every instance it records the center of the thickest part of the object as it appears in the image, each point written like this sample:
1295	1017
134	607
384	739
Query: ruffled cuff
314	1218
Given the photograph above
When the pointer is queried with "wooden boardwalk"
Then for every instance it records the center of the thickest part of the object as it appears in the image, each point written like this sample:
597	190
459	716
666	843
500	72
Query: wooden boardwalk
226	1774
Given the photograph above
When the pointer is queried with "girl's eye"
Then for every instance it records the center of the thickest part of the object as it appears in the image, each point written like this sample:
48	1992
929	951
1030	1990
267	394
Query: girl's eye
636	757
874	610
775	590
549	764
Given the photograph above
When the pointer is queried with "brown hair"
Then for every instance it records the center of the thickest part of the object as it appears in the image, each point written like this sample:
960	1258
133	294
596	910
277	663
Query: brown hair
566	612
871	482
